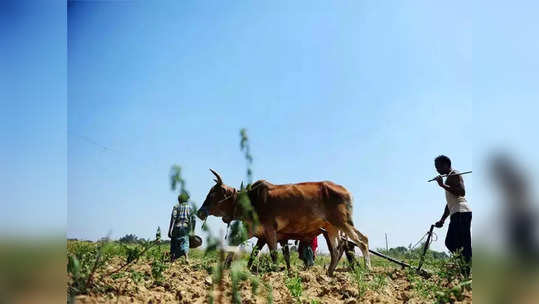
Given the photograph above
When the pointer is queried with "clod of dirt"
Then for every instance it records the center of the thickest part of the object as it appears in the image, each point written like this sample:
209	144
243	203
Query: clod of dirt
306	277
179	295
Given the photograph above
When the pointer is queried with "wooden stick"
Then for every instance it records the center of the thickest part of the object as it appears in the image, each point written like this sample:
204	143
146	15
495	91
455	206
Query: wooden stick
445	175
389	258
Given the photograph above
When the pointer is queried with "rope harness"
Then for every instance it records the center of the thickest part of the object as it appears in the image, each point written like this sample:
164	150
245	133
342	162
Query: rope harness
433	238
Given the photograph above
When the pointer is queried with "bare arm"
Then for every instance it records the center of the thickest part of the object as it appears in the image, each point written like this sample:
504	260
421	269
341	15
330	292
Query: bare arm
440	223
453	184
172	221
446	214
192	221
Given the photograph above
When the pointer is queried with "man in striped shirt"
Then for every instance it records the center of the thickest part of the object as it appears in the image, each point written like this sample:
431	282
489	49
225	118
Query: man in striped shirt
181	224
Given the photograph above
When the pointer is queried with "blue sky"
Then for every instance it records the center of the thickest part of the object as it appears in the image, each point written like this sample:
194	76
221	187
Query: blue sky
33	117
363	94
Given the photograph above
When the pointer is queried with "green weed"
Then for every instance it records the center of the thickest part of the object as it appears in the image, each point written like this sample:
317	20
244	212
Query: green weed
294	286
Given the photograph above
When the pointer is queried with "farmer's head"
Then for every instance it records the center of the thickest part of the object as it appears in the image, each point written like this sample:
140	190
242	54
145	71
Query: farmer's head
183	197
442	164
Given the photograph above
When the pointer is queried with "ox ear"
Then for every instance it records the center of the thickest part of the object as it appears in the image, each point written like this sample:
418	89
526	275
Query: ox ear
219	180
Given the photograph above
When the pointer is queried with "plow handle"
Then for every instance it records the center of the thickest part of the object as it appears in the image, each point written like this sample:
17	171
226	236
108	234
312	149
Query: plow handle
425	248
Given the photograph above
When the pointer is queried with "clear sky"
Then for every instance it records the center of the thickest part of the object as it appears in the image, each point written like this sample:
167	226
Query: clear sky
33	117
362	93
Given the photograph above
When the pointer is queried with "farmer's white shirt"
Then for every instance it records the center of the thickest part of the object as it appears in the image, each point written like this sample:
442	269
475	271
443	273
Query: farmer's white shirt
456	203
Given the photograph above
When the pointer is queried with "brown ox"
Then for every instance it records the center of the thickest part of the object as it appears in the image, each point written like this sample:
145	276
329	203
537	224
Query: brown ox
287	211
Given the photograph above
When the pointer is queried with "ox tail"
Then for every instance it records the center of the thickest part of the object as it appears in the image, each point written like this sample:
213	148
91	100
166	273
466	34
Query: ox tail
350	207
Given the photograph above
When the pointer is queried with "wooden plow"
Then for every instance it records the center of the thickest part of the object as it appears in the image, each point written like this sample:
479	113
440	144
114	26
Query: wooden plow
404	264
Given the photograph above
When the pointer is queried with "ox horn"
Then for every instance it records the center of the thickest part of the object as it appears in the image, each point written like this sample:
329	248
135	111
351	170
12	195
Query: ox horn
219	180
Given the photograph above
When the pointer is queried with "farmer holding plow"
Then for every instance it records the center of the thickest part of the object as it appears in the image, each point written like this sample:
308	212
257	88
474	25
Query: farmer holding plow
458	235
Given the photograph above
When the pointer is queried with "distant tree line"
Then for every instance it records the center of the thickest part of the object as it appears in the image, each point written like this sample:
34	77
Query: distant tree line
126	239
